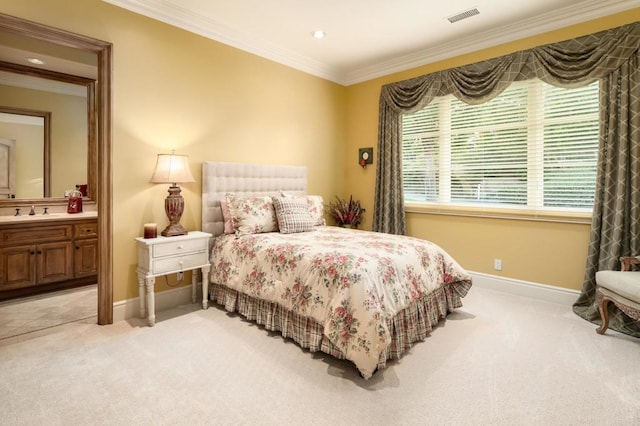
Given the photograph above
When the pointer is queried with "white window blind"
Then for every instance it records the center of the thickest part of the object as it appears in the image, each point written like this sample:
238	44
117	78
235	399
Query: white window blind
534	146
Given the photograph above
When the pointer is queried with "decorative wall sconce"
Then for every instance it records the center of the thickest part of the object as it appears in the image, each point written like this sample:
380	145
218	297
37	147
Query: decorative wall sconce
365	156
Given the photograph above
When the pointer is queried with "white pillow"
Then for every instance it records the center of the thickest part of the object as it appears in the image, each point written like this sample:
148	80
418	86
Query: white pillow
253	215
316	209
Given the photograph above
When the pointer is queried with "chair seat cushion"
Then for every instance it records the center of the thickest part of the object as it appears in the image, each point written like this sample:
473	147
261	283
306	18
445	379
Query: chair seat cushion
626	284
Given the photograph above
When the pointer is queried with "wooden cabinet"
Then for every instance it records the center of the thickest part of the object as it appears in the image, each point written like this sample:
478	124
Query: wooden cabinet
86	249
53	262
36	255
17	267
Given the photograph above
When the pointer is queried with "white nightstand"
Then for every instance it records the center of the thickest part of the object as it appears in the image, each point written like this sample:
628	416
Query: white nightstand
169	255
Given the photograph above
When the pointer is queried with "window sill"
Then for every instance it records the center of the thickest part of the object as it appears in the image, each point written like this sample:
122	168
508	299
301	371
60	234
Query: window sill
494	213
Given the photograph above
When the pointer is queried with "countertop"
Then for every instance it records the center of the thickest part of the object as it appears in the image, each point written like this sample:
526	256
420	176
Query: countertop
51	217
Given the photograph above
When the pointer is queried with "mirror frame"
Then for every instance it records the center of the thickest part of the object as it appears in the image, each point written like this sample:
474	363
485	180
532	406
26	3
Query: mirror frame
102	151
90	86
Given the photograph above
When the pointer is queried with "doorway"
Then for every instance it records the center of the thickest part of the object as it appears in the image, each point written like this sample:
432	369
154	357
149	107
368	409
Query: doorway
100	154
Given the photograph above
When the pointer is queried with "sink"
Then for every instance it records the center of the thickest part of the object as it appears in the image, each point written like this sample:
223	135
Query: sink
27	217
45	217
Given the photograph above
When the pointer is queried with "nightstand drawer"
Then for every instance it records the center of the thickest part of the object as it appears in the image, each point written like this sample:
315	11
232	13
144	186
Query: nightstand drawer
175	248
179	263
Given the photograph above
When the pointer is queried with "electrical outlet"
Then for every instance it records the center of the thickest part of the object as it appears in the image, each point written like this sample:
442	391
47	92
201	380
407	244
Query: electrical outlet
180	275
497	264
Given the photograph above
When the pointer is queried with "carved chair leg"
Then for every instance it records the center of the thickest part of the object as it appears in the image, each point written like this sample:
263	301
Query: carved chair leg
604	315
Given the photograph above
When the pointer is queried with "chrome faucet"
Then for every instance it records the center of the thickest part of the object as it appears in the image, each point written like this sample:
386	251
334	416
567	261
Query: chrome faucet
17	212
32	211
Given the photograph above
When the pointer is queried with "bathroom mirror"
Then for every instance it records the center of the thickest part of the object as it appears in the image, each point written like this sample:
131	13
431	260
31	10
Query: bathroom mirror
66	158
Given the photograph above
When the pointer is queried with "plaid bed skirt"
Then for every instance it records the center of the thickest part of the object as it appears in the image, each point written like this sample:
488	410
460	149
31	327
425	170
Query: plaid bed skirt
409	326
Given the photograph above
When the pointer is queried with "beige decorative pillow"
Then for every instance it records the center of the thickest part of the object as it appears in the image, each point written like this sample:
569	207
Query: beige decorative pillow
253	215
293	214
316	209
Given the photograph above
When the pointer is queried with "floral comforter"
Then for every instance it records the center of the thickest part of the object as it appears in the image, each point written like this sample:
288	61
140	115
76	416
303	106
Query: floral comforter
349	281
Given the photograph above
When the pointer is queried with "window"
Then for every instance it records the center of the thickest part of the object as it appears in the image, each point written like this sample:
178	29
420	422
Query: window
533	147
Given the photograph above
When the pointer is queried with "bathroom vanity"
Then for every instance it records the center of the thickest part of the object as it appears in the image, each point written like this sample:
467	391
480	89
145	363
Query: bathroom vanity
41	253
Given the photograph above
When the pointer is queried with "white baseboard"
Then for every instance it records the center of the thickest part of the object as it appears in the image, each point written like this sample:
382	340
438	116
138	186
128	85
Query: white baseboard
544	292
168	299
130	308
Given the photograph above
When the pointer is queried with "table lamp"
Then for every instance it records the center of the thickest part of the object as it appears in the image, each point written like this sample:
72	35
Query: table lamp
173	169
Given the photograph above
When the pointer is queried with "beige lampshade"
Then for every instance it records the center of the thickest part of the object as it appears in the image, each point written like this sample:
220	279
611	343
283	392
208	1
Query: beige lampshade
172	168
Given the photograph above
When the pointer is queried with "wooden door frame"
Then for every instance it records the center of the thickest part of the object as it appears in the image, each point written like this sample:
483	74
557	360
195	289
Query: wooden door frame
103	51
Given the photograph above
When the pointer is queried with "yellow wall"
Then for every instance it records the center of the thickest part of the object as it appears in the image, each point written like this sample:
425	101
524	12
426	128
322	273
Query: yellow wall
28	156
541	252
176	90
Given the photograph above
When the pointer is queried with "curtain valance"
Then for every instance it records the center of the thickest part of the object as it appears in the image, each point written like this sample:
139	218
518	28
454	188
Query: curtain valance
567	64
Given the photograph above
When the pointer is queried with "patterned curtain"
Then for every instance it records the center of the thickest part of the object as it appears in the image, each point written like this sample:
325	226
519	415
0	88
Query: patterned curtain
615	227
388	212
566	64
610	56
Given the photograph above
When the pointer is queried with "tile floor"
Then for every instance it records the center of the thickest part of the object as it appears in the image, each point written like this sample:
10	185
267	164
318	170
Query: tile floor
20	317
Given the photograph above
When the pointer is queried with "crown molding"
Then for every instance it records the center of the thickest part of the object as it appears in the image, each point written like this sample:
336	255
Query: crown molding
558	19
177	16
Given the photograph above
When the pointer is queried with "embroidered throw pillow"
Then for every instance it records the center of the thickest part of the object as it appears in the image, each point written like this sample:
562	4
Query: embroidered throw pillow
253	215
293	214
316	209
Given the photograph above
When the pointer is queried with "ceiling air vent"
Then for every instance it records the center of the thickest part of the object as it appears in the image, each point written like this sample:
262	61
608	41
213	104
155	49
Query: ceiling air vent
463	15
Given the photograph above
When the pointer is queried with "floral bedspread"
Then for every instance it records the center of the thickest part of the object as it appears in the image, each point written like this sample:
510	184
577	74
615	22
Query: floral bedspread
349	281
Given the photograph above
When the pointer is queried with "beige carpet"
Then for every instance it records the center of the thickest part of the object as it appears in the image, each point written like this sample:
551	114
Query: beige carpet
499	360
29	314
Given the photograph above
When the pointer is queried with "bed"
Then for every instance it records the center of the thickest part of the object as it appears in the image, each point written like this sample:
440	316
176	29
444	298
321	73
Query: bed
362	296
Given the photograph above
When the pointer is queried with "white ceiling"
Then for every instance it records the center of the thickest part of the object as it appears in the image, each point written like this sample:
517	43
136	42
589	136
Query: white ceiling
368	38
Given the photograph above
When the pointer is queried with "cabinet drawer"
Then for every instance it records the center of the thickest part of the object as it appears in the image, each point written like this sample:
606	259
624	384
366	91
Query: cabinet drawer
179	263
85	230
36	234
177	247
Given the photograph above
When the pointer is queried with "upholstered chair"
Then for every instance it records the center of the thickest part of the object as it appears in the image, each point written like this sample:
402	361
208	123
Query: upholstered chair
622	288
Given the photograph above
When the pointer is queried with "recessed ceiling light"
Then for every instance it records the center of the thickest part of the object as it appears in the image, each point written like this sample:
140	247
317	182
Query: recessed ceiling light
318	34
35	61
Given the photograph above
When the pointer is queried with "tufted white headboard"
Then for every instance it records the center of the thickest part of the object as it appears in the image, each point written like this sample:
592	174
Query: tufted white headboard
244	179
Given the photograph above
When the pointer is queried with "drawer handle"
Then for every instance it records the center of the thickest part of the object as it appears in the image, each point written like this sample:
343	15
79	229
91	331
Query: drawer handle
180	247
181	263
